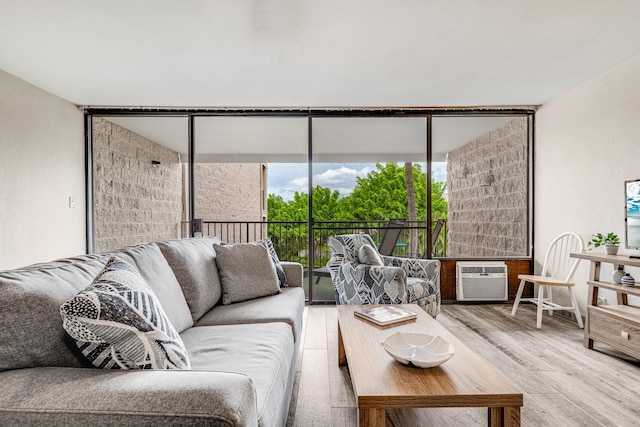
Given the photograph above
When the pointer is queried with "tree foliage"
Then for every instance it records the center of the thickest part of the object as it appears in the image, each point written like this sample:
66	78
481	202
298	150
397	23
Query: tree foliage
381	195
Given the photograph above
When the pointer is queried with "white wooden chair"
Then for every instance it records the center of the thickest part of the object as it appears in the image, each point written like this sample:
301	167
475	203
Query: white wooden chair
557	271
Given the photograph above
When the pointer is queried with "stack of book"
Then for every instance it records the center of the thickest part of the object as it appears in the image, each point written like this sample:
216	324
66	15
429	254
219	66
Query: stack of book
385	315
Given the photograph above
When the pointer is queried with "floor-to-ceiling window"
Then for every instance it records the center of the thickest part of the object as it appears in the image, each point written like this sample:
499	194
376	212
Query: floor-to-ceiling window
368	173
235	156
458	182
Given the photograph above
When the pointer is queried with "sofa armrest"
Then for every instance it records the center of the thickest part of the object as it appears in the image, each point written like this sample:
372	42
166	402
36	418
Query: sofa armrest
417	267
85	396
294	272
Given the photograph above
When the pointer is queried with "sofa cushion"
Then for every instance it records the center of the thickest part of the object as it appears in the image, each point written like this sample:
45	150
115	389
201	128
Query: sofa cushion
30	300
246	272
97	397
282	278
118	323
193	262
286	307
155	270
264	352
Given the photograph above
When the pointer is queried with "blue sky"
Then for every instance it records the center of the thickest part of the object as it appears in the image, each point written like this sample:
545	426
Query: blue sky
286	178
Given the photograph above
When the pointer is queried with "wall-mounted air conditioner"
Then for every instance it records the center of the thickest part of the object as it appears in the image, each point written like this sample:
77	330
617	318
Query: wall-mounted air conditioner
481	281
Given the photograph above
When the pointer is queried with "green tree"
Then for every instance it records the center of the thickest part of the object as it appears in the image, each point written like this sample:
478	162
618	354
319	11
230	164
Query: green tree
291	239
411	206
439	206
382	194
325	206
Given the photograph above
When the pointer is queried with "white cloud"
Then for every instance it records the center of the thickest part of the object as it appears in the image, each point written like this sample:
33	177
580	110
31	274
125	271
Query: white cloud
334	176
287	179
341	177
300	182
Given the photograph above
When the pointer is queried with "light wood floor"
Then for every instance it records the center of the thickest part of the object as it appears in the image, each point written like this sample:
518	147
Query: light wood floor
563	383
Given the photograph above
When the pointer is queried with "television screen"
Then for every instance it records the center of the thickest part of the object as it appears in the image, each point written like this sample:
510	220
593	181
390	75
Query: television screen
632	219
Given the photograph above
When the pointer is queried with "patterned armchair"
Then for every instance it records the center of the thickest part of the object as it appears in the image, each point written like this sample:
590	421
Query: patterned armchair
397	281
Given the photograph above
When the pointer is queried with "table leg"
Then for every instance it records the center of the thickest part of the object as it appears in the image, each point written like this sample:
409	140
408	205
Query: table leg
622	299
342	356
371	417
508	416
592	299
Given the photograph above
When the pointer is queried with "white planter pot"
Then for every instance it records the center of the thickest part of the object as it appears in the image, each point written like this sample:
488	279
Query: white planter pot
611	249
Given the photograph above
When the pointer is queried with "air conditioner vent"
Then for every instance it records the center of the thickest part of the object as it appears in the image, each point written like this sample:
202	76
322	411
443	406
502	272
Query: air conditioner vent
481	281
471	270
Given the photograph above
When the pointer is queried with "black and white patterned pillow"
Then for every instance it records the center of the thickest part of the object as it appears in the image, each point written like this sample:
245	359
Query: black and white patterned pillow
282	278
118	323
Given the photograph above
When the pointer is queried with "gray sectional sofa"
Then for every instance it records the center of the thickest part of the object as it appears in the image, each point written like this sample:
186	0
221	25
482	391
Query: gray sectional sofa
242	355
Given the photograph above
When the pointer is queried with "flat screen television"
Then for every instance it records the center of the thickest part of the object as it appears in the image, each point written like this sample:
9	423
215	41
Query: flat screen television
632	214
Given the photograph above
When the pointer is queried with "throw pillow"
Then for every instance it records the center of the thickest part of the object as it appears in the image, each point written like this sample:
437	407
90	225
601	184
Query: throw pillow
118	323
282	278
370	256
246	271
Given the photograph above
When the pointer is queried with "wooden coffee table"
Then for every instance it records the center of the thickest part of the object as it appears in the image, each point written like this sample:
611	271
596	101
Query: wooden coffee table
379	382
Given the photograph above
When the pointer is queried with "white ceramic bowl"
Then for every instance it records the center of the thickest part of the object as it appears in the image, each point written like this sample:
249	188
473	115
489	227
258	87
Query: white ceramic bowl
424	351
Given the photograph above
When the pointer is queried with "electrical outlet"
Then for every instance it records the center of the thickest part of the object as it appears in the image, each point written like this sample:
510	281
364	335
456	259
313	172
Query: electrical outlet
72	203
602	300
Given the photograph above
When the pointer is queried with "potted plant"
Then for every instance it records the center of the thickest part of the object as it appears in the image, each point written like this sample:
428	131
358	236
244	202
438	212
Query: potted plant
610	242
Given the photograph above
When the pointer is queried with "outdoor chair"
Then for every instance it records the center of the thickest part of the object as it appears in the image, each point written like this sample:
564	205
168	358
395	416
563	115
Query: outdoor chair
390	237
557	271
361	275
435	234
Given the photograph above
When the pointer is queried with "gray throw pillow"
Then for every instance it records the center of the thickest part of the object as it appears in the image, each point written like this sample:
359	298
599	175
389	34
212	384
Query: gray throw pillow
246	271
118	323
370	256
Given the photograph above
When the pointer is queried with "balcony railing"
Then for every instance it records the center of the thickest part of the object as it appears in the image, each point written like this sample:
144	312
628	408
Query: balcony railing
291	241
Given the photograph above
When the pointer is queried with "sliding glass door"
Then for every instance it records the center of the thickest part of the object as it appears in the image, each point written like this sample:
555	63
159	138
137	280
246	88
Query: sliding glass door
236	197
369	175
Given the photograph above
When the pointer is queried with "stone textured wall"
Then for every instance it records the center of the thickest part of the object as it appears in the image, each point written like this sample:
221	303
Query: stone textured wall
230	192
487	194
135	201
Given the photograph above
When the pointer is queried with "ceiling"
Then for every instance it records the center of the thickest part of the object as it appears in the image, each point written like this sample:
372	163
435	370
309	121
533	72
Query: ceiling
303	53
284	139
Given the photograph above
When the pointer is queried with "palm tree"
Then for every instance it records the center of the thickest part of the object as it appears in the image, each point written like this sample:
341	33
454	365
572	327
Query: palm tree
411	208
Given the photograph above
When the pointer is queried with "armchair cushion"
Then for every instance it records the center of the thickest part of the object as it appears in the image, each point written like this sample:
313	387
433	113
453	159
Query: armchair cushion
370	256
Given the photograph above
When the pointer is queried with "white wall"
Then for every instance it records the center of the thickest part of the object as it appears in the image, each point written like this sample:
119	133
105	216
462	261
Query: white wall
587	145
41	166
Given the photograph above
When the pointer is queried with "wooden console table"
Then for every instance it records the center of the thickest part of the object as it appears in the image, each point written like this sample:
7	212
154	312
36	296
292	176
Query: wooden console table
615	324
